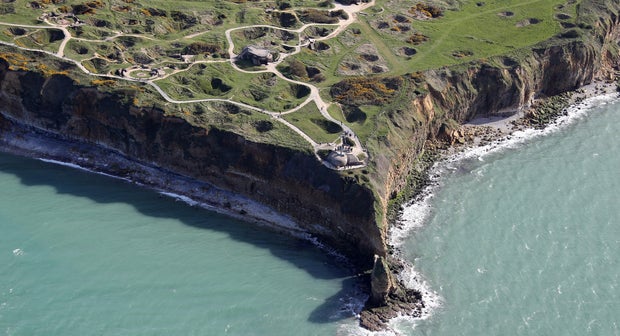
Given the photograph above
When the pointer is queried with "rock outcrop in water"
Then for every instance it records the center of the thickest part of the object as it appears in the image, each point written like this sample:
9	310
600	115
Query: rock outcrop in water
342	212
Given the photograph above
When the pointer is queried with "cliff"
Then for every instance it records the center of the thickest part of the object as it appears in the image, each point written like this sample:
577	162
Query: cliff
500	86
331	206
343	210
440	100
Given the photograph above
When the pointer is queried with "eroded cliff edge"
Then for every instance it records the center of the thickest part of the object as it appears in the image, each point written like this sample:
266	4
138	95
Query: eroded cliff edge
347	211
441	100
334	208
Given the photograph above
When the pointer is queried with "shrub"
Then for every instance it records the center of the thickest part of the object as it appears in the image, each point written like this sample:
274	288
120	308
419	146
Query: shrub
297	69
417	38
365	90
263	126
317	16
426	10
103	82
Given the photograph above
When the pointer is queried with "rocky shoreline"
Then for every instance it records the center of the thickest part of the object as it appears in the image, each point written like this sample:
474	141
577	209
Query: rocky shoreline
538	115
37	144
227	170
477	133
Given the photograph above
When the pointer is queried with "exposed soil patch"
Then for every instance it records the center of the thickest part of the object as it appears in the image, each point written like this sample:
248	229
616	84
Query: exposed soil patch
528	22
365	60
506	14
462	53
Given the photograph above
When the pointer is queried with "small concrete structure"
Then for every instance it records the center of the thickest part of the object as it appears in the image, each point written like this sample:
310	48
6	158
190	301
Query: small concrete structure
338	159
257	55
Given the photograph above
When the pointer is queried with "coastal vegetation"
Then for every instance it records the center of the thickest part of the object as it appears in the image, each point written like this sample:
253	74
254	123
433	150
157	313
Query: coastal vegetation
387	78
183	48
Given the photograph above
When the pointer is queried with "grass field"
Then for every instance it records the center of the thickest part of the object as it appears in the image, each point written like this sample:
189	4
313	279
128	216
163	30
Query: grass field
391	38
469	31
309	120
220	80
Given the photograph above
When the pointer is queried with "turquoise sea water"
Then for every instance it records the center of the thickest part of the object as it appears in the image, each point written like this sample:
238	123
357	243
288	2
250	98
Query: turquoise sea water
526	241
83	254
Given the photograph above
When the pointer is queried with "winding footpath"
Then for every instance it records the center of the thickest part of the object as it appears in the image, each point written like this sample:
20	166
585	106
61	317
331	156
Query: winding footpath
314	96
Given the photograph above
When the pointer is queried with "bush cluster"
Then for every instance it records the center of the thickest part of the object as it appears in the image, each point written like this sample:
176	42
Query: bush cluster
426	10
366	90
417	38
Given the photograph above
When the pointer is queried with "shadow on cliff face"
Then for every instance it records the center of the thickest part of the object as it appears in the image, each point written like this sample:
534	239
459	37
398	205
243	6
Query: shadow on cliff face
103	190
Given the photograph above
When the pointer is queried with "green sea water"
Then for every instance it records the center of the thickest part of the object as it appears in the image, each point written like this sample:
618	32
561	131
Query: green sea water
526	240
84	254
521	241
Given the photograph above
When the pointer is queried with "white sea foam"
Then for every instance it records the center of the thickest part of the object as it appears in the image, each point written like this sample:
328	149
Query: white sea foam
267	217
417	213
352	329
184	199
75	166
257	213
66	164
573	114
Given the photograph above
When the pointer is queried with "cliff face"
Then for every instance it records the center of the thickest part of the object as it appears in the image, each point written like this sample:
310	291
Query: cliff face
332	206
499	86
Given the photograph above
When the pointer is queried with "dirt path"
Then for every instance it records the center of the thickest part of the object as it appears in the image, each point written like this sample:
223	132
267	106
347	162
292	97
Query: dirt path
351	11
314	95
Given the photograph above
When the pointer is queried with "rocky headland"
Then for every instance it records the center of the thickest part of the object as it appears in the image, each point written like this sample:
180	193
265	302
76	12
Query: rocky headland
350	212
